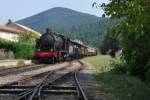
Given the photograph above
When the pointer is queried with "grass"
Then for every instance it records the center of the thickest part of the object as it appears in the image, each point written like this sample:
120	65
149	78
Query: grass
117	86
98	61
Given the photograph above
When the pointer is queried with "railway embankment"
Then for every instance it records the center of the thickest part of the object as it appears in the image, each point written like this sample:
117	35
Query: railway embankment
32	71
113	86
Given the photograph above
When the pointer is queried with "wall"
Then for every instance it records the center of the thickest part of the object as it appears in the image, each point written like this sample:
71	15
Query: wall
9	36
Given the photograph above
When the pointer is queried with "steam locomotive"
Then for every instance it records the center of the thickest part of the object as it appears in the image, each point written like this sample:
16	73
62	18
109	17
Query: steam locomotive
53	47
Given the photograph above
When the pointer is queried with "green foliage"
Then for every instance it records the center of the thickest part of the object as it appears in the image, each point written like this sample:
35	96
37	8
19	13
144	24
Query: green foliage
91	34
57	18
119	66
109	44
99	62
27	37
133	31
114	86
121	87
23	49
7	45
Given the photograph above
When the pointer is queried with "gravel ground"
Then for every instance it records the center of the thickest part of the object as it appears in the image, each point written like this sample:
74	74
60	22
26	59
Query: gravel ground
60	97
7	97
13	78
88	83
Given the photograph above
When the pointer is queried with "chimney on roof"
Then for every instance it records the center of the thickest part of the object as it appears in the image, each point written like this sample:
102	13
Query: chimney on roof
9	22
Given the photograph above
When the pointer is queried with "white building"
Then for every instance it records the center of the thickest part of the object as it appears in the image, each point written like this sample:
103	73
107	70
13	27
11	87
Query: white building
11	31
7	33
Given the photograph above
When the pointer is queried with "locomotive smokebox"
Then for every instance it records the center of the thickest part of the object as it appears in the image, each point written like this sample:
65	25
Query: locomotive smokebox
50	41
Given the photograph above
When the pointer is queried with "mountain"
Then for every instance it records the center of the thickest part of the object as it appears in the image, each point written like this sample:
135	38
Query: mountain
58	18
88	28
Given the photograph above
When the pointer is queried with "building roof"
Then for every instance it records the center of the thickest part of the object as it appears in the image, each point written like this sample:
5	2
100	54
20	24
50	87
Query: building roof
5	28
27	29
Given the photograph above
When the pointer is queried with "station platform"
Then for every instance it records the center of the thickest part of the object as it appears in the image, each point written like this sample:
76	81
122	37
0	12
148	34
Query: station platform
13	63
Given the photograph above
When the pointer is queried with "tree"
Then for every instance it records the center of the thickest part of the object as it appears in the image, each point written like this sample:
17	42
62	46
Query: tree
28	37
103	16
134	32
110	44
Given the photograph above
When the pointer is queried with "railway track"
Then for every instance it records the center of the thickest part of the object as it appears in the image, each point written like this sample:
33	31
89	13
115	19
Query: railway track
23	74
47	86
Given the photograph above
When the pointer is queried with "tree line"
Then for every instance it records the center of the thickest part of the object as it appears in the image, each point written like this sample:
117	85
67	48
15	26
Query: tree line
132	33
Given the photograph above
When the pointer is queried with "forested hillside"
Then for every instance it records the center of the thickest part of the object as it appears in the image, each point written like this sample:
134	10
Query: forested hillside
92	34
59	18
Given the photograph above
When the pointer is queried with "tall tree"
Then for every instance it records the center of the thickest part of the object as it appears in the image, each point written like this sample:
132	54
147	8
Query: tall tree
110	44
134	32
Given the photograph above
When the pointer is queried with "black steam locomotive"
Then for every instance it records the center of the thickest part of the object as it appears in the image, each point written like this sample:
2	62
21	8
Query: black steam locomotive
53	47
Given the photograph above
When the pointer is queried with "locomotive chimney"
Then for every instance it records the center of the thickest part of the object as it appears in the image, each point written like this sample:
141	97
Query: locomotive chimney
48	30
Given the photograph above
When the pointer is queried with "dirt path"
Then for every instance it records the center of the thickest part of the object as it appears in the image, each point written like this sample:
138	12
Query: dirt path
88	82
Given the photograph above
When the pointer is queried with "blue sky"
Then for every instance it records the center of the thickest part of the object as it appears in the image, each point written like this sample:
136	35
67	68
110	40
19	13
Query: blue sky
18	9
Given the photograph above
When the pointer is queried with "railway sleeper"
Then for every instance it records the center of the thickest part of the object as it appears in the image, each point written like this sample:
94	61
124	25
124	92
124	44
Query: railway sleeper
28	87
45	91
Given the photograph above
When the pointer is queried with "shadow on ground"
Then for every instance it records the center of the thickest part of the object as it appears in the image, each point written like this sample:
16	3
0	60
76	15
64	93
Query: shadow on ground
121	87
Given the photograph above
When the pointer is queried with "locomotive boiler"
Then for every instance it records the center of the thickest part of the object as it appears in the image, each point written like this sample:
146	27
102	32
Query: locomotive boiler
51	47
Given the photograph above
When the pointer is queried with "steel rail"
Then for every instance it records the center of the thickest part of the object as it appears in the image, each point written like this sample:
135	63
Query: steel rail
33	92
36	92
80	92
46	89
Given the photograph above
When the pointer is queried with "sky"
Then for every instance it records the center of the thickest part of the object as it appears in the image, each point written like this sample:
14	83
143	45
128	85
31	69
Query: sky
18	9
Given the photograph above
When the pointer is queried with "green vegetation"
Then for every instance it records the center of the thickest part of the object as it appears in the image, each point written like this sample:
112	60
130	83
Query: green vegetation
99	61
23	49
57	18
116	86
110	44
133	33
91	34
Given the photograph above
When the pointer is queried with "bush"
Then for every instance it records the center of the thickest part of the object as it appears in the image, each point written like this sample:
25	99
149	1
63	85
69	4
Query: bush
133	32
24	51
21	49
119	66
